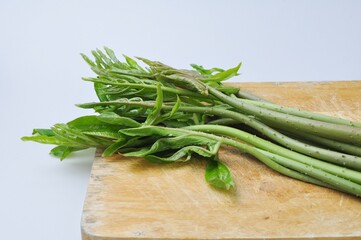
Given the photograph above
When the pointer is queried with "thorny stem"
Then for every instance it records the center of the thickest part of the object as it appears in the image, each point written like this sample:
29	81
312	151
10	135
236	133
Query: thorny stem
279	150
281	120
301	113
330	143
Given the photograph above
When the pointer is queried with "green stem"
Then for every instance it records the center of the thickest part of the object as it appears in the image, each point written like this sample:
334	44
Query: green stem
285	121
332	144
258	142
335	181
302	113
249	96
224	122
313	151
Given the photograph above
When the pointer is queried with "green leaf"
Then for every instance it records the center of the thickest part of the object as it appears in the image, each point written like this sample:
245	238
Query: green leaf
111	149
43	132
218	175
184	154
116	62
153	64
74	135
64	151
132	63
61	131
113	118
162	119
90	62
186	82
100	64
150	131
49	140
175	107
180	154
111	54
165	144
98	90
152	117
181	78
104	58
104	134
204	71
223	75
120	72
187	152
91	123
138	142
174	124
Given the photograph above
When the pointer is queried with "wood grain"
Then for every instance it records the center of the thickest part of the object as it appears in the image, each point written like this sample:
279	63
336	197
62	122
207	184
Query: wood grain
130	198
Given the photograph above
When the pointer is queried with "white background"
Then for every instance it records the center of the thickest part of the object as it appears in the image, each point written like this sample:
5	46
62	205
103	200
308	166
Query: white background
40	71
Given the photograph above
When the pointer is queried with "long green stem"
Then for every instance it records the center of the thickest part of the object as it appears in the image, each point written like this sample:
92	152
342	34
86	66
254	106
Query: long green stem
258	142
285	121
301	113
313	151
332	144
337	182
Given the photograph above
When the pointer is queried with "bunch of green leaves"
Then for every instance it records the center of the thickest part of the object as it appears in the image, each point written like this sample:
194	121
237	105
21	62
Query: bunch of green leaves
167	115
115	133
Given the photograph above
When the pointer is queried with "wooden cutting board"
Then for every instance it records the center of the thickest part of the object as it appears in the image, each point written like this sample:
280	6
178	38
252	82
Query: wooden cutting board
130	198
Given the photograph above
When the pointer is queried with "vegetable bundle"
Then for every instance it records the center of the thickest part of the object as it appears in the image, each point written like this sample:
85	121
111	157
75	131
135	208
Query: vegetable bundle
164	115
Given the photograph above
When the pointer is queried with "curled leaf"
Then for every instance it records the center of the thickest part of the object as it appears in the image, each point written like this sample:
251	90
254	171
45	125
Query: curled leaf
64	151
104	134
164	144
113	148
183	154
132	63
55	140
113	118
152	117
43	132
206	72
218	175
222	76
